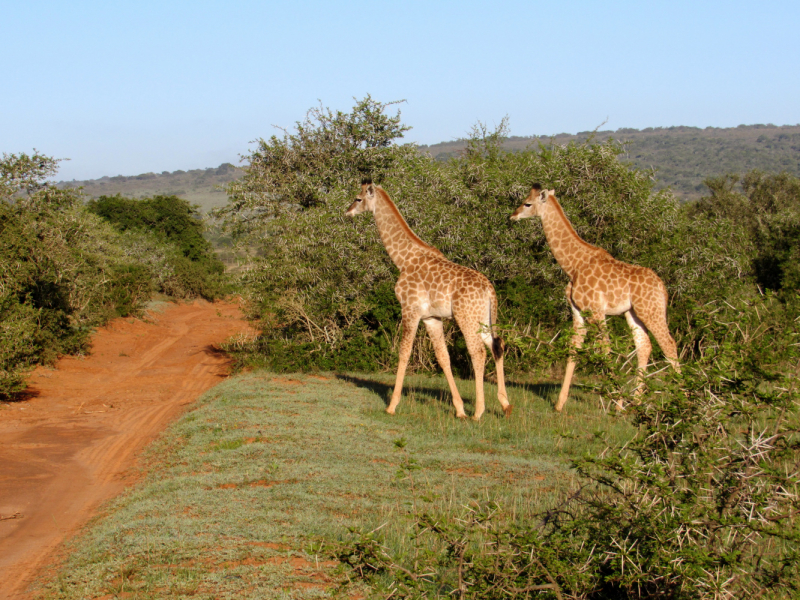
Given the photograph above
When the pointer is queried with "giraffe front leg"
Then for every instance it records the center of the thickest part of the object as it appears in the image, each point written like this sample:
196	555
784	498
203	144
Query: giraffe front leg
436	333
410	324
643	350
579	333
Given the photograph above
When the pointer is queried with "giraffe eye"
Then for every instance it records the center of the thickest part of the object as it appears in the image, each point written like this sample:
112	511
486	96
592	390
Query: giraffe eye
529	205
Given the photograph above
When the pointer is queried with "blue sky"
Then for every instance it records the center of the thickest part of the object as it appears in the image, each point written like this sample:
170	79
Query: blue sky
130	87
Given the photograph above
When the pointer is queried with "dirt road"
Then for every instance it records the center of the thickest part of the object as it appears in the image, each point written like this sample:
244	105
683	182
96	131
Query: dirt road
73	442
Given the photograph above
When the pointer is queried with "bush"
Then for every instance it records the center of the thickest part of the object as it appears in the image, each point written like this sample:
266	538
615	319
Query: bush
314	276
64	270
188	267
701	503
766	209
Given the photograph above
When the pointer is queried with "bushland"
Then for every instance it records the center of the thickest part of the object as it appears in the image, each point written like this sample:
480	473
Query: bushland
64	269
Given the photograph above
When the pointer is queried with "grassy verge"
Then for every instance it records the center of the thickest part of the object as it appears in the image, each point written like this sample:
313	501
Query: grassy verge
247	494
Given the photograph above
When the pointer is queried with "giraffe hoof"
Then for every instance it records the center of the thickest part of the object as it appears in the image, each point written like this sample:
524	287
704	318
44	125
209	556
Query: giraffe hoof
507	410
461	416
476	418
389	411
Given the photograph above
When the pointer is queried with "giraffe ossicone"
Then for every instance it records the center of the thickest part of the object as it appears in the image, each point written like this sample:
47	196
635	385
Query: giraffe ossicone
601	285
431	288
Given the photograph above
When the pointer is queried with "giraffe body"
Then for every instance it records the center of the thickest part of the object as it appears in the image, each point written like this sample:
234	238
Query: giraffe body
431	288
602	285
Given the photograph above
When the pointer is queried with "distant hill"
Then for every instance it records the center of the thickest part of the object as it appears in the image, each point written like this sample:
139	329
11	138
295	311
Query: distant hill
198	186
682	156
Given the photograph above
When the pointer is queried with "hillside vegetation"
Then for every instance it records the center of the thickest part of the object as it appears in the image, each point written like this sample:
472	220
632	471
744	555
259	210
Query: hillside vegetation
322	284
682	157
201	187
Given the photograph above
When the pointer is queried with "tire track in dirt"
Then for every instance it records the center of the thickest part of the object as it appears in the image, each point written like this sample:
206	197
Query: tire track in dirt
73	443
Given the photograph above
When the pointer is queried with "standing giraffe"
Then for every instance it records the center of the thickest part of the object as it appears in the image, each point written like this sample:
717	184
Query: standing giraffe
431	288
602	285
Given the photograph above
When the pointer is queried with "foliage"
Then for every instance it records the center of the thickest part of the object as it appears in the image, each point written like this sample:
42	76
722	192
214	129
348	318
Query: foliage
321	156
55	265
701	503
314	280
767	210
192	268
64	270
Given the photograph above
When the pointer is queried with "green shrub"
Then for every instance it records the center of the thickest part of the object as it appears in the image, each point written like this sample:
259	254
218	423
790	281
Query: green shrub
315	276
64	270
172	222
701	503
131	286
765	208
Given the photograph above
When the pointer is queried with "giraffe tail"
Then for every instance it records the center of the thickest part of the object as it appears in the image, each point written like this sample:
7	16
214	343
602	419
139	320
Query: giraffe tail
498	346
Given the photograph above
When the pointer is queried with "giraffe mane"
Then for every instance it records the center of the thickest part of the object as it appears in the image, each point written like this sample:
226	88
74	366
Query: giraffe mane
404	224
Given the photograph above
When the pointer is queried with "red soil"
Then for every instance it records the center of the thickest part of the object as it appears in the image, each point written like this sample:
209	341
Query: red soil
72	442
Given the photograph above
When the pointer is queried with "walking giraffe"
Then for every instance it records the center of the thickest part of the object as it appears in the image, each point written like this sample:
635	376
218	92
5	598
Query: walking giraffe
602	285
431	288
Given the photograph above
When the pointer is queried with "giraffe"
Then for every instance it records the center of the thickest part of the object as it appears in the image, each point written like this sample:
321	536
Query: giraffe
602	285
431	288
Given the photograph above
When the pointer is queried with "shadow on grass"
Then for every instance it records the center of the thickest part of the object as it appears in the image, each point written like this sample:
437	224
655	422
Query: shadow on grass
427	395
430	395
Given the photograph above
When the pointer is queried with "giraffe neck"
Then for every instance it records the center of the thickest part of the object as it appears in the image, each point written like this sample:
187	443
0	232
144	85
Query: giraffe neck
400	242
569	249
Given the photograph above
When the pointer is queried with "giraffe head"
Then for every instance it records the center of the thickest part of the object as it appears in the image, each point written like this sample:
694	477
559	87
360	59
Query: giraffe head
365	201
534	203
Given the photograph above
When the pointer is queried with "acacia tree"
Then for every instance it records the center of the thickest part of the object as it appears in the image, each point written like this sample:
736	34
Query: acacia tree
325	152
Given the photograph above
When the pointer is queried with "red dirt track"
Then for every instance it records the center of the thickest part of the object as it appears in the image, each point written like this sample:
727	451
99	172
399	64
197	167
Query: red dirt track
73	442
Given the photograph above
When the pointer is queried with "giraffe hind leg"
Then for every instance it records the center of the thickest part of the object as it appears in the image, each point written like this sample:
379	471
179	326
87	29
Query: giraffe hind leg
497	348
477	353
656	322
498	351
410	324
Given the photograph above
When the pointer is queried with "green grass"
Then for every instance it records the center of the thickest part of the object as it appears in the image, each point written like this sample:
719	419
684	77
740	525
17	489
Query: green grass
248	494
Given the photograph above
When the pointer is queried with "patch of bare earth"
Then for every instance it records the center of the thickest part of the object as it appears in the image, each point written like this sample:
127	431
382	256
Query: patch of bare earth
72	442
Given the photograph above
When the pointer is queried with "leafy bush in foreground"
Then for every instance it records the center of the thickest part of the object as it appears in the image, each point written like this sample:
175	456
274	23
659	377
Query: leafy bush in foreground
702	503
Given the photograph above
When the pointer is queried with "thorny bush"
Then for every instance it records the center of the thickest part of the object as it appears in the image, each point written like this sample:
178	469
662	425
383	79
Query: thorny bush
703	502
